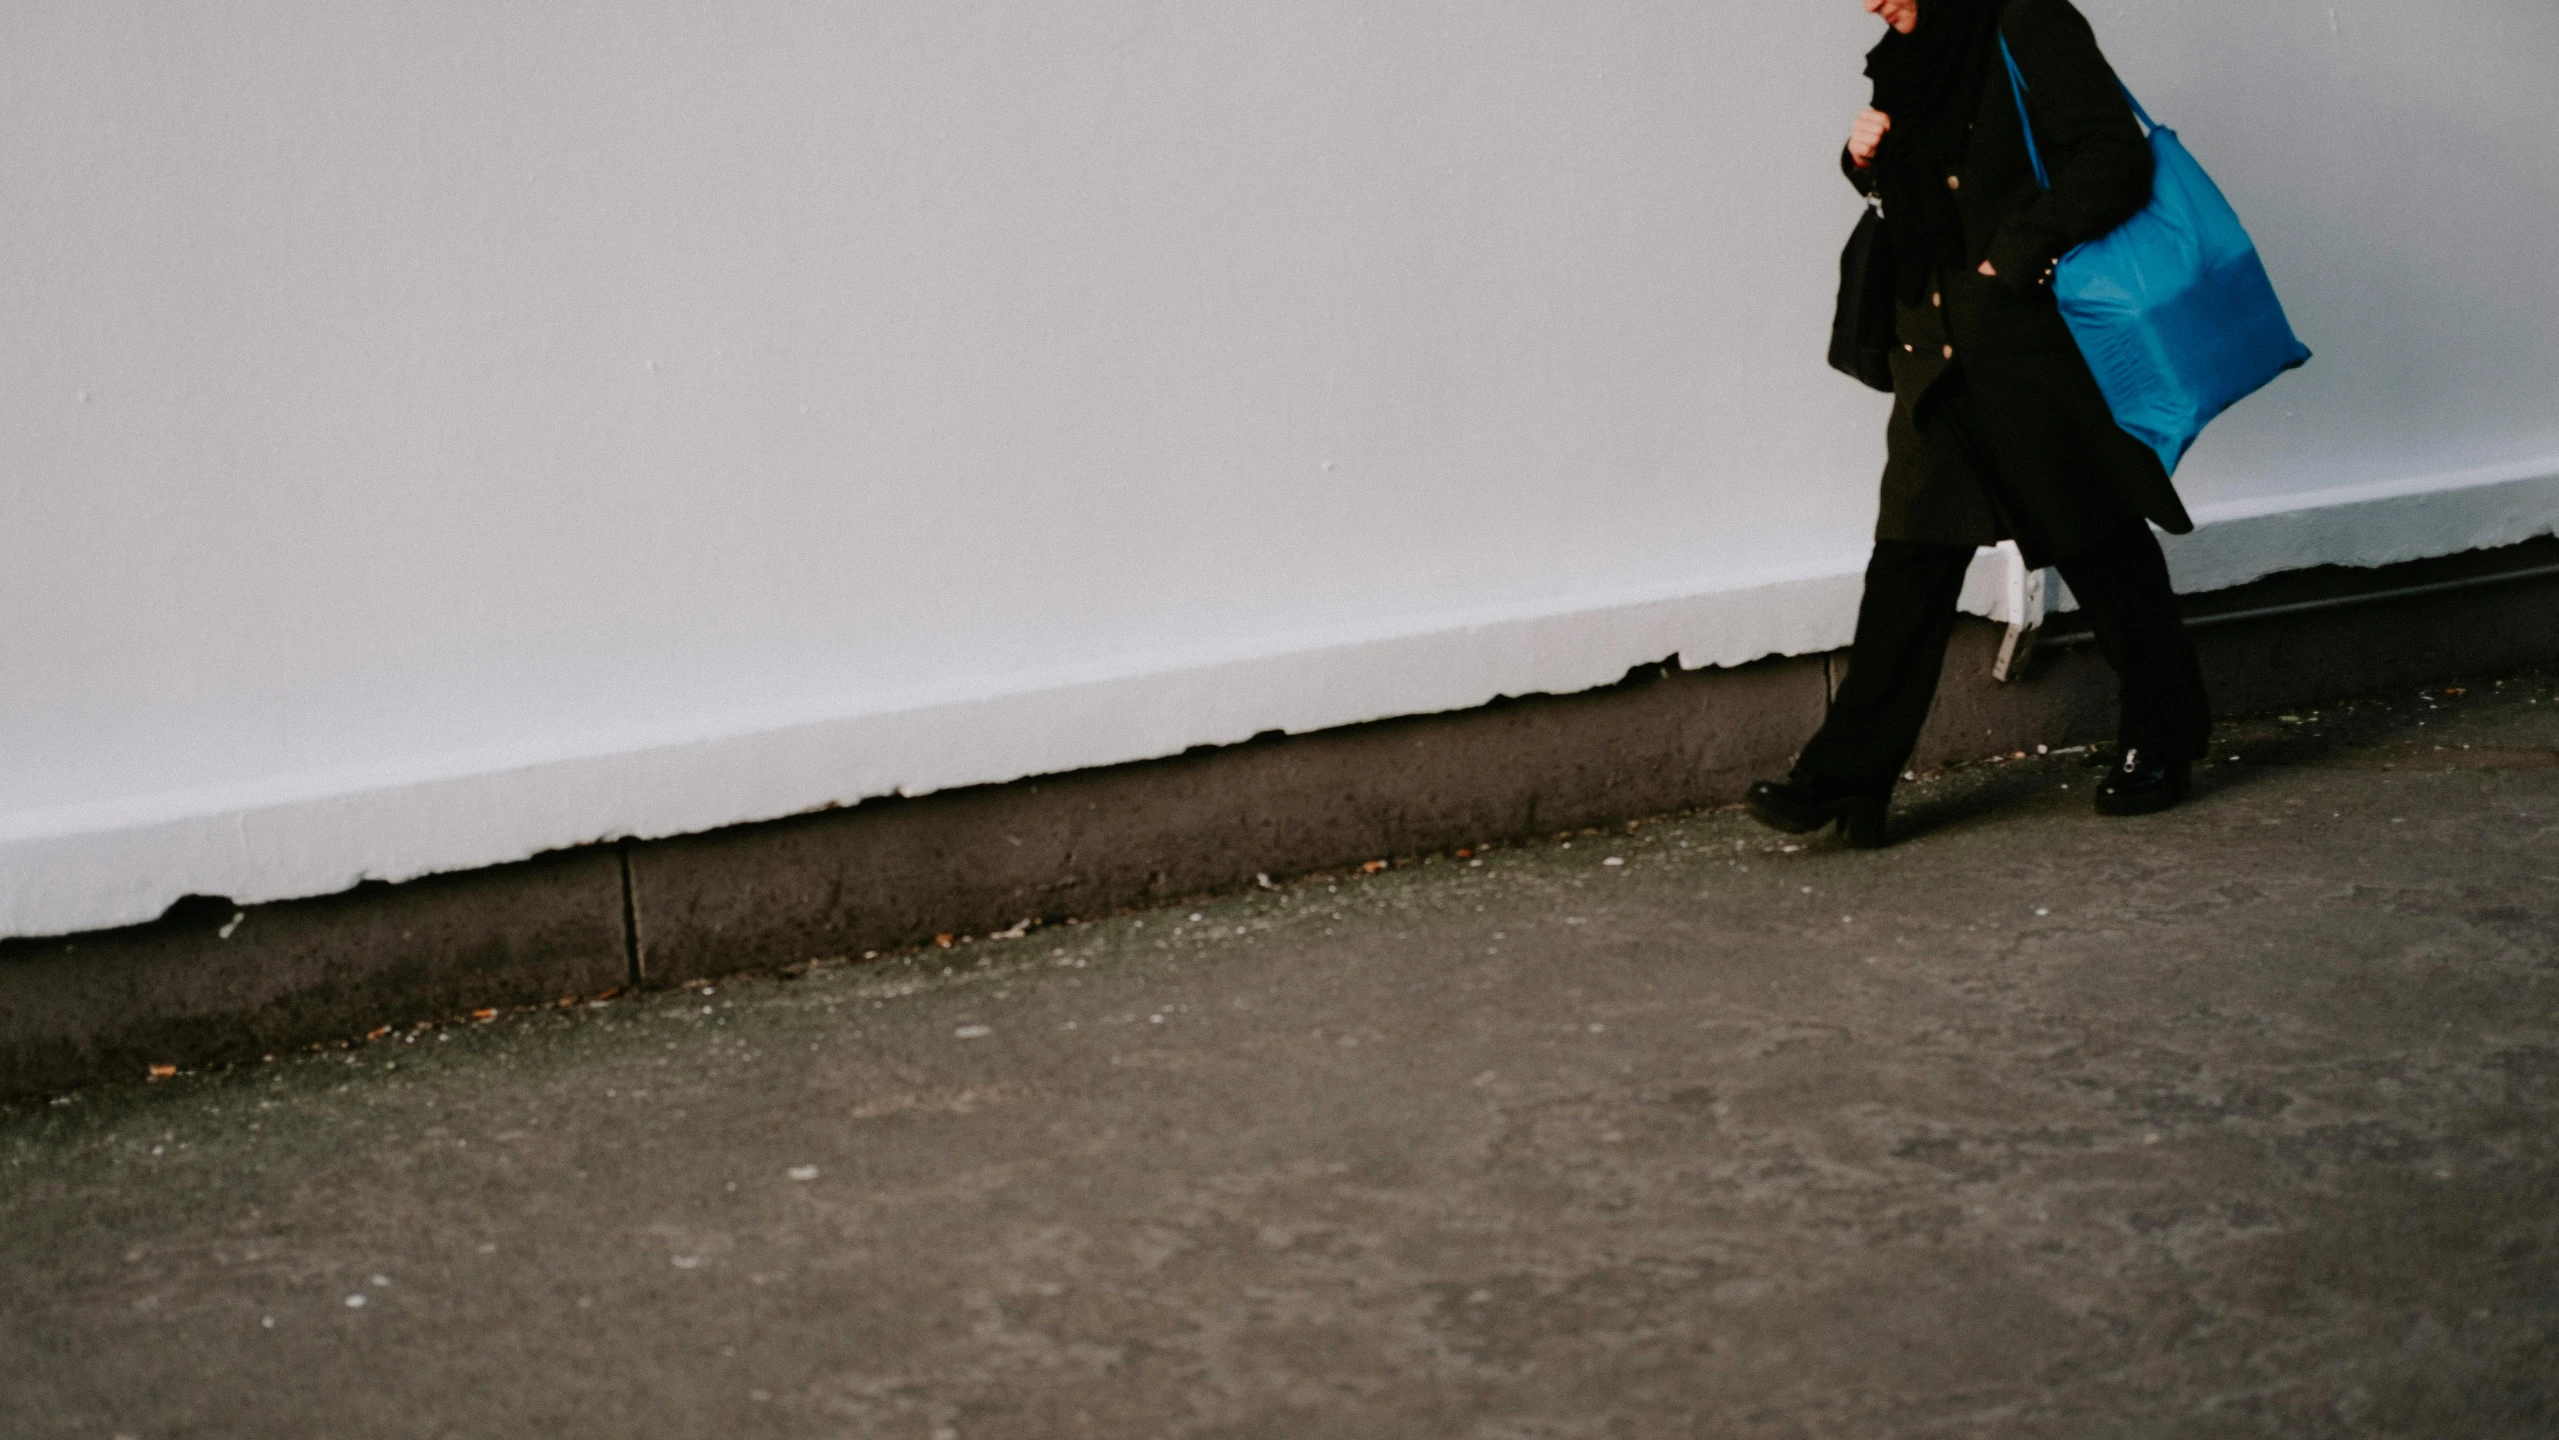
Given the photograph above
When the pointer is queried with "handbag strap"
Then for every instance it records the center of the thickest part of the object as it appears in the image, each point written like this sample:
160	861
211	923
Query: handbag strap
2025	122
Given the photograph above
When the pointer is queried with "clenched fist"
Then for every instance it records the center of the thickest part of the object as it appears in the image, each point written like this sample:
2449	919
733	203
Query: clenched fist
1866	134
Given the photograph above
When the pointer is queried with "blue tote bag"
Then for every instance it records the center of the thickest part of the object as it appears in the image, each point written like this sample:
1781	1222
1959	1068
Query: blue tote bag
2172	309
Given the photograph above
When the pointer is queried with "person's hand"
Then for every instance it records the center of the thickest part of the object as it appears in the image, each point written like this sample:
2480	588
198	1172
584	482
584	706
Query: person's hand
1866	134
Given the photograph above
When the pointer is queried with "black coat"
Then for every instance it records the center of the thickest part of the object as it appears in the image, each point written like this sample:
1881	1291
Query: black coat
1998	430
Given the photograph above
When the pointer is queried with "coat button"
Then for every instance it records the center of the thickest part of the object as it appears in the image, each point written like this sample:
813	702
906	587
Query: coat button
1950	352
1954	182
1938	298
1910	349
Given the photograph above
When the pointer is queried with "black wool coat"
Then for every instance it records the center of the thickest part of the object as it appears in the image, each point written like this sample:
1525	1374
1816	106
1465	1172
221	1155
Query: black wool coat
1998	430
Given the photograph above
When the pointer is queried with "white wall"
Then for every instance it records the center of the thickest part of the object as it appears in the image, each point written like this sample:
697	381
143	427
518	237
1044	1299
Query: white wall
437	432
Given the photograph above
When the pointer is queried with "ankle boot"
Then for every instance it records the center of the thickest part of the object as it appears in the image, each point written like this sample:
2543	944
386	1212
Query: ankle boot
1800	808
2142	785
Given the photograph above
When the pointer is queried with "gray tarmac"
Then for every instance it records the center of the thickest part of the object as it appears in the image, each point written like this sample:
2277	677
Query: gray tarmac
2241	1120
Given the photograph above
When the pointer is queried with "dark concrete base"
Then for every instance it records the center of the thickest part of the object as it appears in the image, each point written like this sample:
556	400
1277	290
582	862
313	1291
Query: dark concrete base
2304	658
899	872
210	982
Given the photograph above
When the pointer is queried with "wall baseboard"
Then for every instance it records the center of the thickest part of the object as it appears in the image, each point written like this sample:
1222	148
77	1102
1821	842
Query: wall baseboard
211	982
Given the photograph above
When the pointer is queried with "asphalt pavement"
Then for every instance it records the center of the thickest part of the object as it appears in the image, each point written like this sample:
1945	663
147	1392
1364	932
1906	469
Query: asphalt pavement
2241	1120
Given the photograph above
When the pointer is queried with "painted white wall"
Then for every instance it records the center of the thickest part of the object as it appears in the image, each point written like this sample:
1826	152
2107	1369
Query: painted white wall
440	432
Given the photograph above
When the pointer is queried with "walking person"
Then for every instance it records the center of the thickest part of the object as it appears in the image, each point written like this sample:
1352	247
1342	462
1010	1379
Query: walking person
1998	429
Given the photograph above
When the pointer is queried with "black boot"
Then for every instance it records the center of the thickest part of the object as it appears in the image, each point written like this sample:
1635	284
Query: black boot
1799	807
2140	785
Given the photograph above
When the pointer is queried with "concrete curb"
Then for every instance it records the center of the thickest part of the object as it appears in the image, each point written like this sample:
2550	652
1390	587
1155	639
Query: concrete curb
210	982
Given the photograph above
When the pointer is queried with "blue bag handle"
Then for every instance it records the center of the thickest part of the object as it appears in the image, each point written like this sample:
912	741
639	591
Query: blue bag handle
2017	87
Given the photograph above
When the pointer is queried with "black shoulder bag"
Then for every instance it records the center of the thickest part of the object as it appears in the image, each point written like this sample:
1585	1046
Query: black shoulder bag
1861	331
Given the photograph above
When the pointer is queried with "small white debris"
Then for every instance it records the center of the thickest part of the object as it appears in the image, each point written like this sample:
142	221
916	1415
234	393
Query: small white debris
267	1321
802	1172
2043	749
1808	889
1154	1019
355	1302
1613	860
1598	1029
1196	917
236	917
381	1280
2040	910
974	1032
1263	880
688	1262
706	1009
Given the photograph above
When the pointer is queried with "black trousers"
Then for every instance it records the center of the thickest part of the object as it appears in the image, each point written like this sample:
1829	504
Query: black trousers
1908	614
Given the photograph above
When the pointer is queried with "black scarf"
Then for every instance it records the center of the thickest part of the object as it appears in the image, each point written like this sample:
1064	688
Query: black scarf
1930	82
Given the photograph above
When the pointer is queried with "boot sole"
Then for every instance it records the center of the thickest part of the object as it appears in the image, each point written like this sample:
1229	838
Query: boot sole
1861	821
1786	821
2149	803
